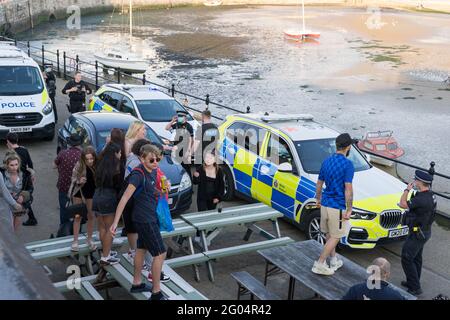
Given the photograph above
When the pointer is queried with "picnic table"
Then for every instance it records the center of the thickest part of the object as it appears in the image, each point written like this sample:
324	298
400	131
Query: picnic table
297	259
210	223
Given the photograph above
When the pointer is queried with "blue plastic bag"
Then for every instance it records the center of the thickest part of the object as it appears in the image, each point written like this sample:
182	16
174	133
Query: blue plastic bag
164	217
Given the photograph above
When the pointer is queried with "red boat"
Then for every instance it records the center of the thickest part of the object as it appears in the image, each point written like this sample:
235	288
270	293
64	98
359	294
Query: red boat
383	144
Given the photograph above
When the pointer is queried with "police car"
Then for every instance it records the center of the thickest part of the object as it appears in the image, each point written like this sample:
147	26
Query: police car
144	102
25	106
276	159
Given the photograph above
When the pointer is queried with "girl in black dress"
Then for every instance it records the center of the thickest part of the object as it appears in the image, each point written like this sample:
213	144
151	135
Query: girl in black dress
210	182
82	190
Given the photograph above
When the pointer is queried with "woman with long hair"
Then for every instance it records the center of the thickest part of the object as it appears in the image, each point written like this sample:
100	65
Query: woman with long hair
108	182
19	185
82	190
135	132
211	186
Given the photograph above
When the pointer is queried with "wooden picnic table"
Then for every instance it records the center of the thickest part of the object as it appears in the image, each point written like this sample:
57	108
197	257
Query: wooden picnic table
297	259
210	223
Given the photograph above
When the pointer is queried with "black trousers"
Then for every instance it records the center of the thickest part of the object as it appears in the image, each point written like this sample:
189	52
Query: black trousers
204	205
52	98
77	106
412	259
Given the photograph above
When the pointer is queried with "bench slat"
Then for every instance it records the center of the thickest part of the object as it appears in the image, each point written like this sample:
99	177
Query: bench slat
254	286
88	292
186	260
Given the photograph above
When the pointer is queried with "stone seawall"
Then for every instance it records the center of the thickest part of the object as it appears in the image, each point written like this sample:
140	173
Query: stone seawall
21	15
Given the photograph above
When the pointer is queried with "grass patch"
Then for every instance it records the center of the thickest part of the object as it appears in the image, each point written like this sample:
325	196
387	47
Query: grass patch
385	58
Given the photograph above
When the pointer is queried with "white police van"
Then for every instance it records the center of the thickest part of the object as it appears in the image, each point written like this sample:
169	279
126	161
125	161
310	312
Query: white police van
25	106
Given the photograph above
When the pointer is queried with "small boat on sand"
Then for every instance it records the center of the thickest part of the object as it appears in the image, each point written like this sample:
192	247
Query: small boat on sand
301	34
382	143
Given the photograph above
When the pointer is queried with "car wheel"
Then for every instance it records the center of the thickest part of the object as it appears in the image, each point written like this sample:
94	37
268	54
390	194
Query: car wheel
50	137
229	183
312	227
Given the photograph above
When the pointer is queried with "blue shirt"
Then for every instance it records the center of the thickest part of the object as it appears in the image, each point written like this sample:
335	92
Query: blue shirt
145	196
362	292
336	170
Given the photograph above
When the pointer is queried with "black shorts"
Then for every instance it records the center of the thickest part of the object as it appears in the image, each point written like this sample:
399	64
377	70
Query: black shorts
128	218
104	202
149	238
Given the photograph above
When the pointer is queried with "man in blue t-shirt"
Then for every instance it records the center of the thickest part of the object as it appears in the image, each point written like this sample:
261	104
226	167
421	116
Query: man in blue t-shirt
142	186
335	202
377	287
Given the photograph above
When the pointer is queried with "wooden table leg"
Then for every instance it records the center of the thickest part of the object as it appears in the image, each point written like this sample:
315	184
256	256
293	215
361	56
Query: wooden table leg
205	249
291	288
192	251
276	228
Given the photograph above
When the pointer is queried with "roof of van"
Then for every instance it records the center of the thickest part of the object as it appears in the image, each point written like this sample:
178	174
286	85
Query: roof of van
141	92
300	127
13	56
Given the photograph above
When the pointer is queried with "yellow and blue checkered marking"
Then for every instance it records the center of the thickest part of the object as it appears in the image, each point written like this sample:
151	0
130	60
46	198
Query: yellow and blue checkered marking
306	190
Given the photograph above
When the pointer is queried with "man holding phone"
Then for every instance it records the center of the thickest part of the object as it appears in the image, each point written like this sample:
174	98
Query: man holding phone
419	217
77	90
184	139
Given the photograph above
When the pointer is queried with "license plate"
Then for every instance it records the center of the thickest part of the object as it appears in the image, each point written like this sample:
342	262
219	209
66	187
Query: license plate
170	201
19	130
398	233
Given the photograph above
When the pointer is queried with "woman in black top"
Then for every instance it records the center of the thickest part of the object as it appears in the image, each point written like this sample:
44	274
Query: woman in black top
82	190
108	181
210	184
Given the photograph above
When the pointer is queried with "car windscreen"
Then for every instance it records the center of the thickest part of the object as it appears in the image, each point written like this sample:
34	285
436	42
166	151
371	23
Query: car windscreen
20	81
160	110
313	152
102	135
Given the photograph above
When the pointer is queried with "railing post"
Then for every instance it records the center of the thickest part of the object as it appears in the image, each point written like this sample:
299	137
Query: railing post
248	109
29	50
15	42
144	80
431	170
96	74
57	61
207	101
118	75
64	66
43	56
173	90
77	59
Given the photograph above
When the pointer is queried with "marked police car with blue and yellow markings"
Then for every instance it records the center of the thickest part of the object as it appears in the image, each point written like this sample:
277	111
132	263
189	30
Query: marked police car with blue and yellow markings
25	106
276	159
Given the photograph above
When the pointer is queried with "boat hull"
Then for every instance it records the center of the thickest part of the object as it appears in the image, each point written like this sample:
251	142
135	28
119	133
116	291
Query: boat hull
301	35
133	66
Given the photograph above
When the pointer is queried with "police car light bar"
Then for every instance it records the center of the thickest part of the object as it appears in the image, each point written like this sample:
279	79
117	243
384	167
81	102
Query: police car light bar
286	117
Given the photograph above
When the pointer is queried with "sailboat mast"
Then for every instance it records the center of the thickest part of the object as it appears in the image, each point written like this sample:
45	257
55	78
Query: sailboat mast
131	20
303	14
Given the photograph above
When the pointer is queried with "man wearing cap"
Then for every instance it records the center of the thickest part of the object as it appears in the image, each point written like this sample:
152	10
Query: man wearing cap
65	162
335	202
419	217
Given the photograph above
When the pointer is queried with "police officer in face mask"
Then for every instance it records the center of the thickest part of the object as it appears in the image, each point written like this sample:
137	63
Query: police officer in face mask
50	81
419	217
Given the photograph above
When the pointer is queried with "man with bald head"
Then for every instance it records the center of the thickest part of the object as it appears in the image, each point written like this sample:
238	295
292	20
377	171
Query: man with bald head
377	286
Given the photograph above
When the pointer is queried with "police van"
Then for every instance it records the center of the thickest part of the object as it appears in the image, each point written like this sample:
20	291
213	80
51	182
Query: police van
25	106
276	159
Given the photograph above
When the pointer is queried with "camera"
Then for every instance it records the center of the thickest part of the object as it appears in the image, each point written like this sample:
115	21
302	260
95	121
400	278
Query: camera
79	89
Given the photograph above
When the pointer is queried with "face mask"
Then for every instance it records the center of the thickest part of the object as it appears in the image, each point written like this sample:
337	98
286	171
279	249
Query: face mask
415	187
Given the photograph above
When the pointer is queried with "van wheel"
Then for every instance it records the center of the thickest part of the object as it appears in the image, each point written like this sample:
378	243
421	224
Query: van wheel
50	137
312	227
229	183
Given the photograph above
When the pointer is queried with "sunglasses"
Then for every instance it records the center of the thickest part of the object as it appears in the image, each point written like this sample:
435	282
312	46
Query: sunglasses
157	159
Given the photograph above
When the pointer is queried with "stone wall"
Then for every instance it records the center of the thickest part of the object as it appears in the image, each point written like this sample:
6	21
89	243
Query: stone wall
20	15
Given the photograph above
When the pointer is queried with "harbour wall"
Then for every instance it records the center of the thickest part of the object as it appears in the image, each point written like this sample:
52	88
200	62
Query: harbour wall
21	15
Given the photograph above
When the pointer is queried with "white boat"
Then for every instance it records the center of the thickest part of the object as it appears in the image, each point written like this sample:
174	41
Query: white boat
118	59
301	34
212	3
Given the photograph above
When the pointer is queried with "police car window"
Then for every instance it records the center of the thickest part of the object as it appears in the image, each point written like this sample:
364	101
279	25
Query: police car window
114	99
105	96
18	80
278	151
313	152
126	106
160	110
235	132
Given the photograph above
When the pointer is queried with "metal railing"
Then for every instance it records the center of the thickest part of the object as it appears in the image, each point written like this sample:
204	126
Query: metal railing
66	66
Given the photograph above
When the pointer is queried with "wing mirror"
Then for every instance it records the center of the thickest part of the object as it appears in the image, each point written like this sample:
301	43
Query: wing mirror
285	167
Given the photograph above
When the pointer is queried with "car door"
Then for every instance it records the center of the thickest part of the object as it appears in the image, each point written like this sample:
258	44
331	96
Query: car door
283	196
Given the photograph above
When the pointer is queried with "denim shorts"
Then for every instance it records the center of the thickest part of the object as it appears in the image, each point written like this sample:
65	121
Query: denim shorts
104	202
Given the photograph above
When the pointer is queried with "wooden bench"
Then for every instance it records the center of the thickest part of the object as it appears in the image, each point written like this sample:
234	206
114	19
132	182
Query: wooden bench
247	284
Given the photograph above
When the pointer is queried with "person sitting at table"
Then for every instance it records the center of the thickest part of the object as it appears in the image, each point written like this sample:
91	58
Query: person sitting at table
377	287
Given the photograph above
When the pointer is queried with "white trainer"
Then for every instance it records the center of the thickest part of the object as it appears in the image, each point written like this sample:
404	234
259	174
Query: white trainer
322	269
336	263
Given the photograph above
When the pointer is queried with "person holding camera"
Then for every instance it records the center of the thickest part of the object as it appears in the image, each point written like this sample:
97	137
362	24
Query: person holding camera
419	217
77	90
184	139
50	81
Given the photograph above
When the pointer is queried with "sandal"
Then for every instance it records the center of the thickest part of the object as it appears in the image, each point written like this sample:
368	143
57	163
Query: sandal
92	246
74	247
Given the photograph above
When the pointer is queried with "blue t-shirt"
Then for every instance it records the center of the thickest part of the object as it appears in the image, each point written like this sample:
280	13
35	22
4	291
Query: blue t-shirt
336	170
145	197
362	292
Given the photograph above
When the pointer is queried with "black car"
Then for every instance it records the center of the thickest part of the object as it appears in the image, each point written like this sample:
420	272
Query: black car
94	127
